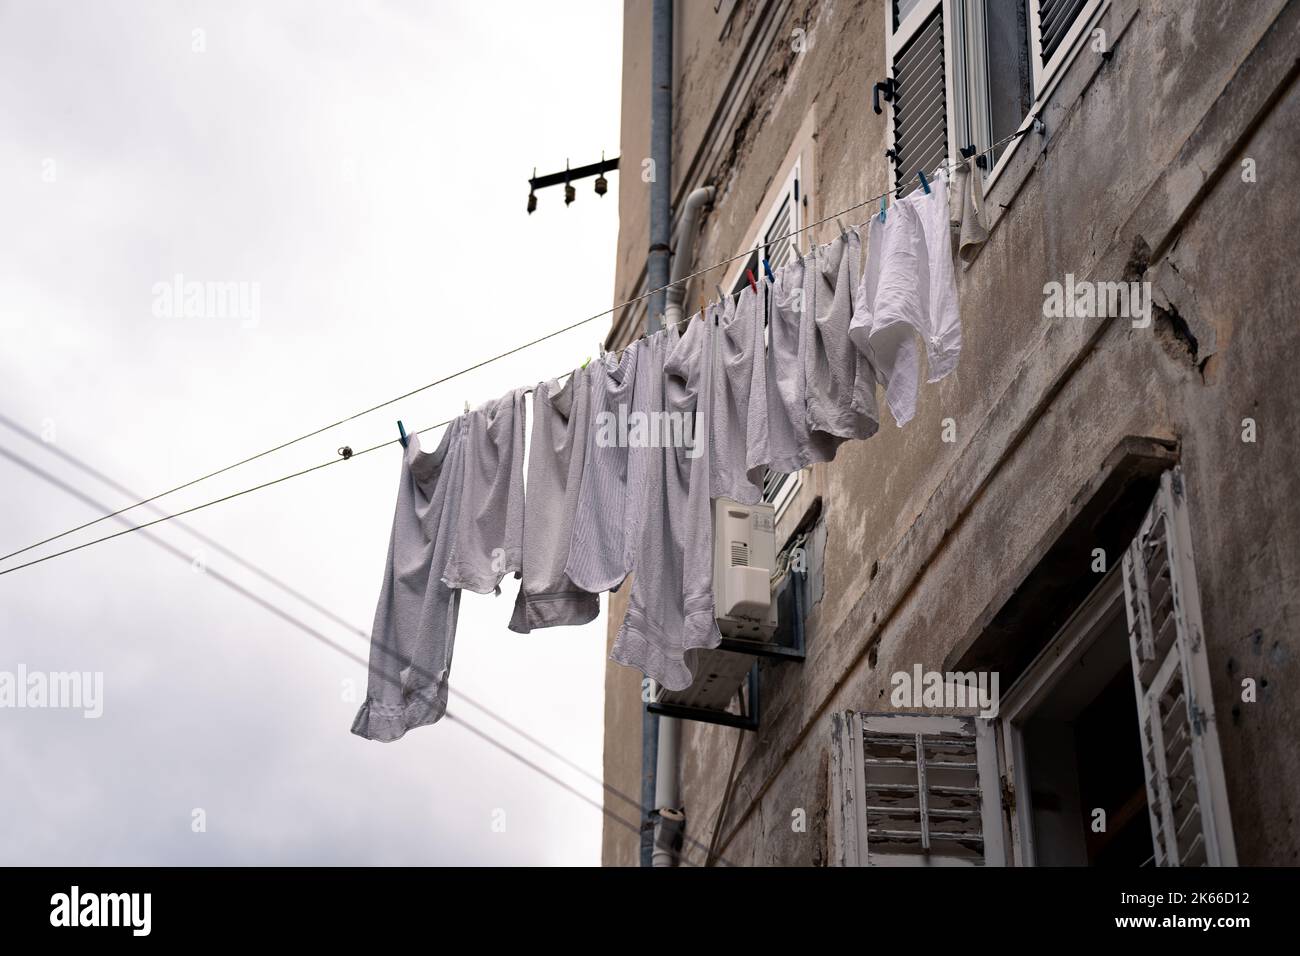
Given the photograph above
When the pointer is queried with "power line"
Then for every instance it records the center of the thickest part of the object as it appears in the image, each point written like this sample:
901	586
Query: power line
249	565
302	625
322	638
464	371
212	543
169	517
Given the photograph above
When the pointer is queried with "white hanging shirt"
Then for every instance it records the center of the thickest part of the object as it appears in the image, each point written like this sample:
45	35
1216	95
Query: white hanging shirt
841	382
556	454
414	632
671	607
490	527
892	305
943	333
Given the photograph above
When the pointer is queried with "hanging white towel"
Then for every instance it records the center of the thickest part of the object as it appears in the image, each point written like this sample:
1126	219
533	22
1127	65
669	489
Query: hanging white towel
970	214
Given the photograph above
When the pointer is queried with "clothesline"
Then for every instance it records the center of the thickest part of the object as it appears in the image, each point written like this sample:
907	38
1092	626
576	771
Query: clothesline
700	272
627	467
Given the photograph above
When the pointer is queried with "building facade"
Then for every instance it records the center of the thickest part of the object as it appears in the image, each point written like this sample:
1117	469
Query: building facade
1101	510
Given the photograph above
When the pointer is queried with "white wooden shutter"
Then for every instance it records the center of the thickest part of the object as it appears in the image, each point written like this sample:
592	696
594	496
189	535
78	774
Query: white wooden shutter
1186	794
914	790
778	245
1054	28
918	132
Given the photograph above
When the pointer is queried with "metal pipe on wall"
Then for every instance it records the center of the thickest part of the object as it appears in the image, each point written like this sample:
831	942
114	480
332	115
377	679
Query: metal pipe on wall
661	181
695	204
661	143
670	822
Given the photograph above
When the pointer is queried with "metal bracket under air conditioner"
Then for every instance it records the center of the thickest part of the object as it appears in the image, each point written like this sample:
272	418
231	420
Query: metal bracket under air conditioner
707	699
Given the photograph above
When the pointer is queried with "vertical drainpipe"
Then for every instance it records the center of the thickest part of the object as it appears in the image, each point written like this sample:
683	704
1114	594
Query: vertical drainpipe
661	142
661	139
671	822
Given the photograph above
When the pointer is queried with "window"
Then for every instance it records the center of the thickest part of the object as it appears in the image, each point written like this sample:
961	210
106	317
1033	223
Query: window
998	75
1054	27
918	133
775	241
1076	738
914	790
777	245
970	71
1069	734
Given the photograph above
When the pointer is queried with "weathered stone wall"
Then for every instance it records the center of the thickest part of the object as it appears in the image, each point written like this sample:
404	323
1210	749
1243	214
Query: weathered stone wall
1137	177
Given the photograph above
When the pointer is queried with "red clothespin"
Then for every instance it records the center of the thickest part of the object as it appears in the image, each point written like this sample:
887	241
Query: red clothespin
752	284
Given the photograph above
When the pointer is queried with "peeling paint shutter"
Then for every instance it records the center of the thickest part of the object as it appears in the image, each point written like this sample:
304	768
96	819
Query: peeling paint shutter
1186	795
920	107
914	790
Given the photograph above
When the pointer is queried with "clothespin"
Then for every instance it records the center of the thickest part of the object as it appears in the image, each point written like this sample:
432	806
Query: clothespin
882	206
752	284
585	362
722	296
844	233
704	306
401	430
925	183
767	268
467	406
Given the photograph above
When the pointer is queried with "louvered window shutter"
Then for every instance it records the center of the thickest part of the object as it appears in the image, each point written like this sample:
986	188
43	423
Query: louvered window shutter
920	104
1186	793
1055	17
915	789
778	245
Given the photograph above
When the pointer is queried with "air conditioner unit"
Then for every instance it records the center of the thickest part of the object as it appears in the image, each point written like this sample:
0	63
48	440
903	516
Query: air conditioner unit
744	553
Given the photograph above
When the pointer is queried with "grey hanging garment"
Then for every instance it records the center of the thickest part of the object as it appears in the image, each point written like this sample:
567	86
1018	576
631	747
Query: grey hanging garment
556	452
671	607
415	621
490	525
610	511
642	441
738	444
790	446
841	381
970	217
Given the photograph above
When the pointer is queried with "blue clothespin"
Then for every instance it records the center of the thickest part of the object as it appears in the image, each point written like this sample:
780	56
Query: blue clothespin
925	183
882	207
401	431
768	269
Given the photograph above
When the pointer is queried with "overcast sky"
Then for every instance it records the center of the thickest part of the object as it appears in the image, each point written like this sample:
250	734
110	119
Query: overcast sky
361	168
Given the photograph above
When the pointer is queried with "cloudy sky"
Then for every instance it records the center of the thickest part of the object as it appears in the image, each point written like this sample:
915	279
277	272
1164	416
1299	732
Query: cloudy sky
359	168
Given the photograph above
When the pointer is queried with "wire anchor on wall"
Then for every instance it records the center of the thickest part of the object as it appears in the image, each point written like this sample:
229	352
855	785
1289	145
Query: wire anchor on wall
568	176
